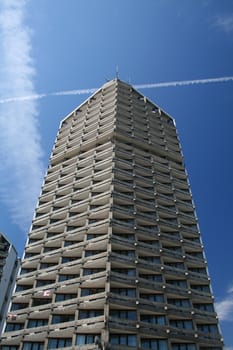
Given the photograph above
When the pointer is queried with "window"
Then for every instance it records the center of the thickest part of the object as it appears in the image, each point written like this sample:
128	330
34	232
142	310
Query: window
46	265
83	339
186	324
127	292
151	259
179	302
18	306
56	343
49	249
37	323
125	314
124	339
210	348
179	283
67	277
91	271
21	288
128	236
62	297
154	344
159	298
155	319
92	252
129	272
41	283
33	346
178	265
197	269
90	313
130	253
12	347
68	243
66	259
200	287
91	236
37	302
10	327
24	270
207	328
62	318
91	291
204	307
189	346
150	277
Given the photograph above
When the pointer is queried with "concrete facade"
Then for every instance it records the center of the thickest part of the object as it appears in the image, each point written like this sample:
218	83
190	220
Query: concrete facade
114	258
9	264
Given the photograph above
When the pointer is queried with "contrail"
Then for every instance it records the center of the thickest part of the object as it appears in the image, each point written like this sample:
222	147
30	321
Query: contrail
184	82
136	86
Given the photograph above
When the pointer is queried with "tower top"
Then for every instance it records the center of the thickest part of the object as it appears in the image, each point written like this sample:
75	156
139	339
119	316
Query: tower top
119	85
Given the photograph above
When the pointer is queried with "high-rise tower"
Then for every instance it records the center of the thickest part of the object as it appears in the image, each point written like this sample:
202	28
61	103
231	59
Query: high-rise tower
114	258
9	264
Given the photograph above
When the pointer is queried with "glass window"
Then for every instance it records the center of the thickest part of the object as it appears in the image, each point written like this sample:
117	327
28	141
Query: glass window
129	272
10	347
179	283
159	298
91	271
150	277
124	314
186	324
128	292
130	253
33	346
44	282
37	323
154	344
187	346
62	297
90	313
156	319
13	327
204	307
56	343
210	348
18	306
200	287
67	277
179	302
83	339
62	318
91	291
37	301
208	328
21	288
124	339
66	259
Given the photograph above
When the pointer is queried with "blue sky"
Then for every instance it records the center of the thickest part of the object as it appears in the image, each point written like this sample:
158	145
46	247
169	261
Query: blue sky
59	45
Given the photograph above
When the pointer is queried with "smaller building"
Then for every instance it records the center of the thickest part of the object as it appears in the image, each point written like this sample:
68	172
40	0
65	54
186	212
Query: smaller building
9	264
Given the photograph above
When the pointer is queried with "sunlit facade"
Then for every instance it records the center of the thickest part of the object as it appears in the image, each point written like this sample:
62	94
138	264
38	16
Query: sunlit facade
114	258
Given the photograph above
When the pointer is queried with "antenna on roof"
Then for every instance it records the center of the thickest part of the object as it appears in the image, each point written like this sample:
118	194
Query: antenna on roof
117	72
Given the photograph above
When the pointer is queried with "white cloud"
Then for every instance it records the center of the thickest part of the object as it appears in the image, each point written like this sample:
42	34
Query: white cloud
224	307
225	23
20	152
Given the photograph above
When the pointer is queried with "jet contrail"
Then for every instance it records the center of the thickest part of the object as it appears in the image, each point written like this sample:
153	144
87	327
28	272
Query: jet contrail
184	82
137	86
